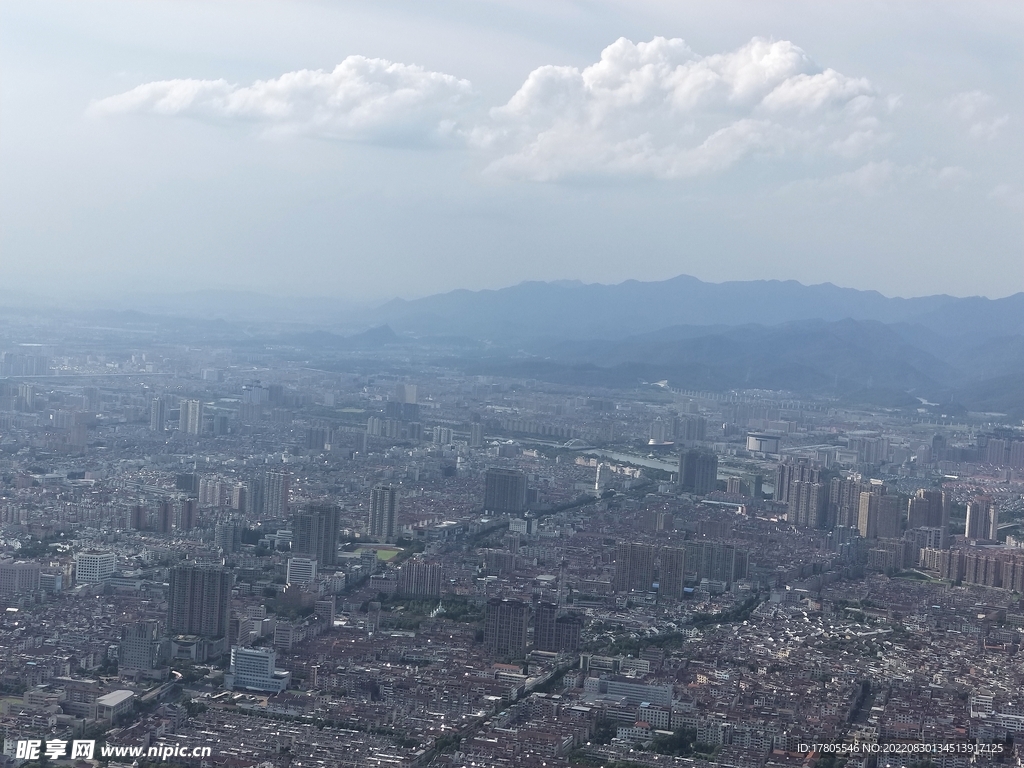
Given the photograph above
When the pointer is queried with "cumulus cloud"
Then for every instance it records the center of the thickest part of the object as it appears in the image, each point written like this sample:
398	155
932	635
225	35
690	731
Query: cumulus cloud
974	110
361	99
650	109
659	109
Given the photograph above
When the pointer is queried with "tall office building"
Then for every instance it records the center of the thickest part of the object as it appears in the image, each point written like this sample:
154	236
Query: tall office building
315	533
199	601
982	519
698	471
634	567
190	419
254	669
504	490
18	578
380	522
301	570
505	625
157	414
276	485
93	567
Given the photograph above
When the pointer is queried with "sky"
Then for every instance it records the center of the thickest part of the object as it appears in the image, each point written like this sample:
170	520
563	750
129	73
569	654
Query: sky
366	150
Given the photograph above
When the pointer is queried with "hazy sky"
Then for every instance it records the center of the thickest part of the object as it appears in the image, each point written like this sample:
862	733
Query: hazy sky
370	149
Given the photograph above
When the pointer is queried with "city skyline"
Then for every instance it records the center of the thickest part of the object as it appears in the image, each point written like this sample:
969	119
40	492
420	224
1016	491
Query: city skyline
491	383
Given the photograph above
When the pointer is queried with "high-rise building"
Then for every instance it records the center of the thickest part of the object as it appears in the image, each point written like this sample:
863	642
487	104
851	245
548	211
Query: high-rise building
188	514
689	429
157	414
18	578
788	472
419	578
276	485
164	517
380	522
843	507
698	471
141	647
806	505
982	519
568	631
505	625
301	570
315	533
504	490
544	627
190	418
879	515
476	435
671	575
138	518
240	497
867	517
890	517
405	393
93	567
930	509
228	537
634	567
553	632
319	438
199	601
254	669
714	560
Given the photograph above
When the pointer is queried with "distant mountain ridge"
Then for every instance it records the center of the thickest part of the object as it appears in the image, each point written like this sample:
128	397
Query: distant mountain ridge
574	310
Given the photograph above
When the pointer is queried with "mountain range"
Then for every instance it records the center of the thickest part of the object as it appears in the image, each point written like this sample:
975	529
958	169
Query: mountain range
817	339
569	309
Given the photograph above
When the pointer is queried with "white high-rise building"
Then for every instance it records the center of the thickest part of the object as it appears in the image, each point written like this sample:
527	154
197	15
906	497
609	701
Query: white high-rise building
93	567
301	570
254	669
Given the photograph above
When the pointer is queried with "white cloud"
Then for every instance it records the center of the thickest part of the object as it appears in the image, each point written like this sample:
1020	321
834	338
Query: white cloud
659	109
968	104
974	108
361	99
870	179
